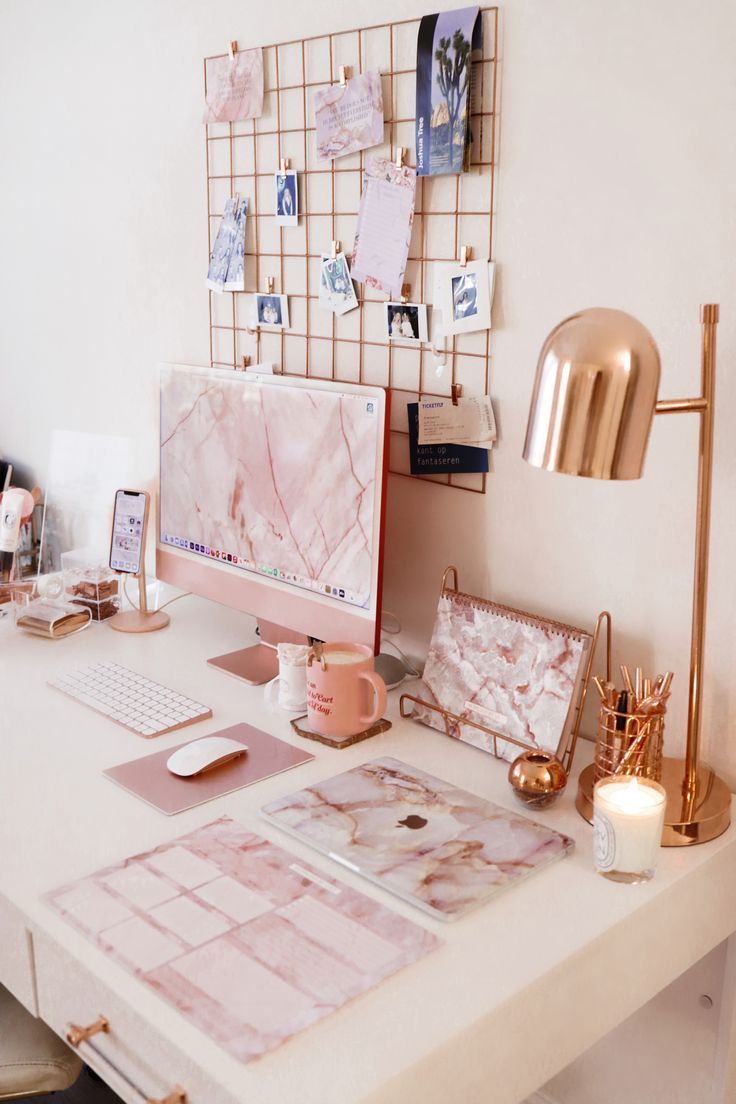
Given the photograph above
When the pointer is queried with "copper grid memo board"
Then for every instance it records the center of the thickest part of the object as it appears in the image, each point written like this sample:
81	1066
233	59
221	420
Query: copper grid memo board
451	211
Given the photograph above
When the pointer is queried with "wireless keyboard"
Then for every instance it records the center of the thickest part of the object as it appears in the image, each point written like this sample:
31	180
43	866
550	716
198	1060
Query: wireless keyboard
130	699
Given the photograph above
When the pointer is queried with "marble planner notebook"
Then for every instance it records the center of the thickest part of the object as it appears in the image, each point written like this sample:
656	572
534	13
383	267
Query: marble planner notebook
247	942
516	674
431	843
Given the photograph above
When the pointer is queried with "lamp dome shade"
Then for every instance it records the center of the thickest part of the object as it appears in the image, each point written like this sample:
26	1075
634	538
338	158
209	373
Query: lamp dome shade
594	396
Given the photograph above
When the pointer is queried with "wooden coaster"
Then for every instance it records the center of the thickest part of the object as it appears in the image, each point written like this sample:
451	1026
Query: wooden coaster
300	726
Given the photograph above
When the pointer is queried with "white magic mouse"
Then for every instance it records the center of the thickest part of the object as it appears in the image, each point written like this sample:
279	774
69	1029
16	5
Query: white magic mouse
202	755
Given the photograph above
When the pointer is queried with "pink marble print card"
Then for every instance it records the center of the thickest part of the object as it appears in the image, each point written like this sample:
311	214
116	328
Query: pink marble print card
349	117
244	940
518	675
234	87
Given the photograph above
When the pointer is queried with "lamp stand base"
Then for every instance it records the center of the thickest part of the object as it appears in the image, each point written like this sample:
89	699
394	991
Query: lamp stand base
686	820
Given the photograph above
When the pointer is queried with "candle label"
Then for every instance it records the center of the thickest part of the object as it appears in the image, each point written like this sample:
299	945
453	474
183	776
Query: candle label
604	841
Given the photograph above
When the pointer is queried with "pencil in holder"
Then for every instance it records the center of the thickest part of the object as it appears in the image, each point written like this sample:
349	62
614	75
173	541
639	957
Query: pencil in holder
629	743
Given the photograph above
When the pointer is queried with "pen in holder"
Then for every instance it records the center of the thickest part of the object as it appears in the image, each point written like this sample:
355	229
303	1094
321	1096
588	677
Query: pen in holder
629	743
631	727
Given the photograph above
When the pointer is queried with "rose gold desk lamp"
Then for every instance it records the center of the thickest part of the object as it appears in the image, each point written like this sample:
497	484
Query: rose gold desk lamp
595	396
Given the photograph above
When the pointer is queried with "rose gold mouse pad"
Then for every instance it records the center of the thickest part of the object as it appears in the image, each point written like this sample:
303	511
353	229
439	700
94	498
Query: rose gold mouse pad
149	778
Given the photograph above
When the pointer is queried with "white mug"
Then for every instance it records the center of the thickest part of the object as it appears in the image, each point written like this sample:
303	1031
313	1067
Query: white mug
291	680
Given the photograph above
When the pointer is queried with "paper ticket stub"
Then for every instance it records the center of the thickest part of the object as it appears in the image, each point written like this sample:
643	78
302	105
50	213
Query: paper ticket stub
470	422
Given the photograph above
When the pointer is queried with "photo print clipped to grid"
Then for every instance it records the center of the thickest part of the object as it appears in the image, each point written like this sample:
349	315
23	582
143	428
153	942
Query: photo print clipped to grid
450	211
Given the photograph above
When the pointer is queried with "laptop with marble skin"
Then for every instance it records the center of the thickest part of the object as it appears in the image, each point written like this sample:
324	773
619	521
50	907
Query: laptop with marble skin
439	847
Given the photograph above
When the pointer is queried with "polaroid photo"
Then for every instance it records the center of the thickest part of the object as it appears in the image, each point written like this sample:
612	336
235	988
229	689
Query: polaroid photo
287	198
406	322
272	312
336	291
464	294
226	268
235	279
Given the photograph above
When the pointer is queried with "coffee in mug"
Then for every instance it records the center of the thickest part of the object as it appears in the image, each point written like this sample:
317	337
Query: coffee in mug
344	694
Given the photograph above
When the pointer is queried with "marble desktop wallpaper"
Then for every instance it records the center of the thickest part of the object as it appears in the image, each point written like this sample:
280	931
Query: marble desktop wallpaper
246	941
281	476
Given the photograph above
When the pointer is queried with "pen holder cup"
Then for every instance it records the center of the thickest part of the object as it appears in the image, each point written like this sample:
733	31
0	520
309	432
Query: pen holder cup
629	743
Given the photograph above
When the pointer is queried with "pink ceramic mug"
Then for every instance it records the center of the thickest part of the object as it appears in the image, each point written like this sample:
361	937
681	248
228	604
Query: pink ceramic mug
340	685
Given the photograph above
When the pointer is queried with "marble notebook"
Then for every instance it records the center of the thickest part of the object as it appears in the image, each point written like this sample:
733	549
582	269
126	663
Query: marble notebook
516	674
437	846
247	942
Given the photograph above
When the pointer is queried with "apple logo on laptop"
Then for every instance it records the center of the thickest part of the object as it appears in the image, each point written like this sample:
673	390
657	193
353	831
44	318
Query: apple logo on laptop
412	821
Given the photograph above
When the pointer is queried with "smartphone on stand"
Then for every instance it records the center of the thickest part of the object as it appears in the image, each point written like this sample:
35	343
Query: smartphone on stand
129	526
128	555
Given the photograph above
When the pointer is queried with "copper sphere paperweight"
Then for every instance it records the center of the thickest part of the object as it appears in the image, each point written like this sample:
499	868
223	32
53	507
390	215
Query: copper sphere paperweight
537	778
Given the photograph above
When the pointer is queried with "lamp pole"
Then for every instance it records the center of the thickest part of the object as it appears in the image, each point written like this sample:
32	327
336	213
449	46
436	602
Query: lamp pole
701	809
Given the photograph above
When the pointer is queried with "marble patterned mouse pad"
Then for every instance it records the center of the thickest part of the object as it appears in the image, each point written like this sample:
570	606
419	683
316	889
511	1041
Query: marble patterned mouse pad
247	942
440	847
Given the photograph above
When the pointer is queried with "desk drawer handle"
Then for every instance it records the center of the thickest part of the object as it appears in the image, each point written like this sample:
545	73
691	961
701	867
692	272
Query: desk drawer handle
76	1035
176	1096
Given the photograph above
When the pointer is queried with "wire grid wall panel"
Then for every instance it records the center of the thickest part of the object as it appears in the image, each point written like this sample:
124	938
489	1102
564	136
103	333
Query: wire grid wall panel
450	211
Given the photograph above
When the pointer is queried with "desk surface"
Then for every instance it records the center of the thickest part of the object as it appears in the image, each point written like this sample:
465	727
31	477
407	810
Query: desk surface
519	987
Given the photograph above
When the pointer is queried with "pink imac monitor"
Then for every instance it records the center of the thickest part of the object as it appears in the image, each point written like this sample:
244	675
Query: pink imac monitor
271	500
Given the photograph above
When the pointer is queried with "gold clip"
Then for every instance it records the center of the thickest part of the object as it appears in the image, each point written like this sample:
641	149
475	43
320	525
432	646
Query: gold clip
335	250
405	293
246	363
285	164
344	74
465	255
269	285
399	157
233	49
457	391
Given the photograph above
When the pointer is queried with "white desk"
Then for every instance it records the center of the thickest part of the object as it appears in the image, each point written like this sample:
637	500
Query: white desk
519	988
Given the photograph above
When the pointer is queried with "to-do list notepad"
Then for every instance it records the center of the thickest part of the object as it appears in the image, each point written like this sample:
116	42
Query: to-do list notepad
246	941
385	222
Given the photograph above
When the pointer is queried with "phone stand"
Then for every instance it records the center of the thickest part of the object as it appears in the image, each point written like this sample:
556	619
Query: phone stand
142	619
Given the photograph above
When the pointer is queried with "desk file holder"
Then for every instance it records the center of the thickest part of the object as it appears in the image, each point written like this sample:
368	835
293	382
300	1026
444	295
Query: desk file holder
409	702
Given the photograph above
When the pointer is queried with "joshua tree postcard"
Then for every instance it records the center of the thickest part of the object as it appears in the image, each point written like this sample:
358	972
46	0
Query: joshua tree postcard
445	47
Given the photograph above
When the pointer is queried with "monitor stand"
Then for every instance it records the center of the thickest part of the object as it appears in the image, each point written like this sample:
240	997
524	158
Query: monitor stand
260	663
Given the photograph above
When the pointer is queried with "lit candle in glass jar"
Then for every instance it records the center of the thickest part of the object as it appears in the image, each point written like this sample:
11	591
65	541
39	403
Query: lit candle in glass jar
628	819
